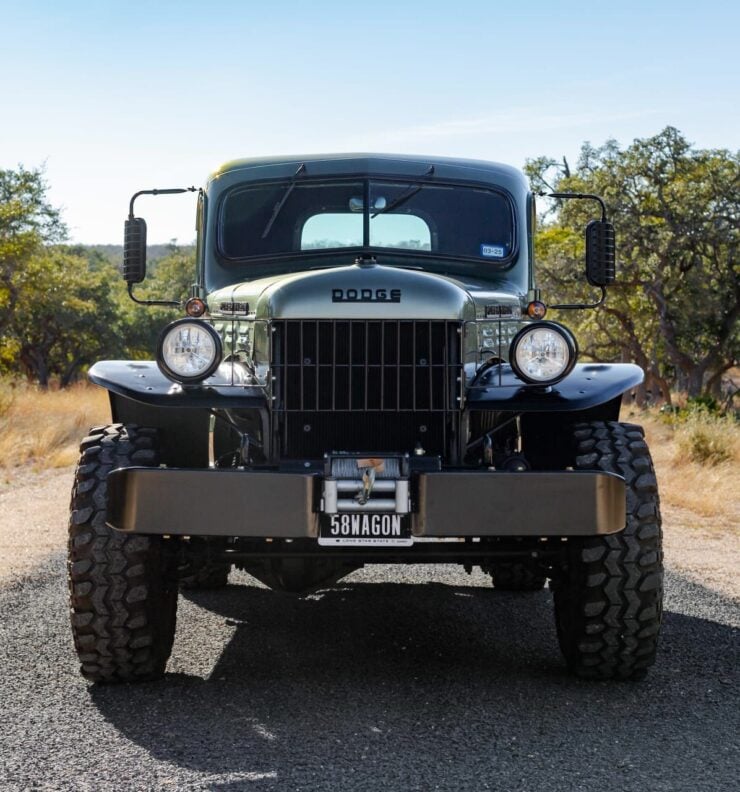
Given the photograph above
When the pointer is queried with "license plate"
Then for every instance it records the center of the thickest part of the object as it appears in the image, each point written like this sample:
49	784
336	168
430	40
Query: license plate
371	529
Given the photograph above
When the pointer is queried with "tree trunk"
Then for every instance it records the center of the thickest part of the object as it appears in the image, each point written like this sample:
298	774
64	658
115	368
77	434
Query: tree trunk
695	382
664	388
640	392
714	383
34	362
656	387
70	374
42	373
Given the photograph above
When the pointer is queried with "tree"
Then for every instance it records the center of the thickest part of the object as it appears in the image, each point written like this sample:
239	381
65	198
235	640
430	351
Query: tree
65	316
674	309
63	307
27	221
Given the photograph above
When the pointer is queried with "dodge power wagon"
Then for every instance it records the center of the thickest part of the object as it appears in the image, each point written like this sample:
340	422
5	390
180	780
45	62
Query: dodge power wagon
362	374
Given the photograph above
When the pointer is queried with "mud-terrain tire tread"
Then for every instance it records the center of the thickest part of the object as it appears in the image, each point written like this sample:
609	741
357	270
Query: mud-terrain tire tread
608	604
515	576
123	591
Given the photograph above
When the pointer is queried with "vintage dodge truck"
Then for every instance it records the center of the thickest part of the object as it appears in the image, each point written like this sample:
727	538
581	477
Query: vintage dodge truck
364	374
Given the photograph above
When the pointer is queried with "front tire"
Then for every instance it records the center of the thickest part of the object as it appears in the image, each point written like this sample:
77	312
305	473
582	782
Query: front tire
609	599
123	587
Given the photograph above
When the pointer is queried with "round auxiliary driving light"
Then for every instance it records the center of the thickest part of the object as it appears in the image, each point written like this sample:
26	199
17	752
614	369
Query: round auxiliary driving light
188	351
543	353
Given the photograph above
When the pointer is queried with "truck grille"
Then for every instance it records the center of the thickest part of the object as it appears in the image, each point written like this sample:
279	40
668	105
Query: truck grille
366	373
366	365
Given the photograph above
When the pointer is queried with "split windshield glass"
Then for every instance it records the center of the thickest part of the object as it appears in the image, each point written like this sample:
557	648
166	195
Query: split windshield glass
298	216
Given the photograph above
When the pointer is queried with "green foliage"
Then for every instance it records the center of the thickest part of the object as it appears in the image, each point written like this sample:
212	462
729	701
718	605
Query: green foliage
704	404
675	307
26	218
65	316
699	407
169	278
63	307
72	308
27	221
172	276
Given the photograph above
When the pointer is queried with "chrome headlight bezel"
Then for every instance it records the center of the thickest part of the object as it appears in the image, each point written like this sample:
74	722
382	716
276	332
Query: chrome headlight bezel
170	373
570	344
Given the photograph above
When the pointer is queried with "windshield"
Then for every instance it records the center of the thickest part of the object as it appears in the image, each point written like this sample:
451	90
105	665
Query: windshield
297	217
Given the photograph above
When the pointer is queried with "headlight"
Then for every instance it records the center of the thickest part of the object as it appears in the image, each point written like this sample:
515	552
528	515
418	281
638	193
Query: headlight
543	353
188	351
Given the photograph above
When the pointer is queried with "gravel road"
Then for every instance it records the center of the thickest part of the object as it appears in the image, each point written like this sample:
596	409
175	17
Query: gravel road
418	678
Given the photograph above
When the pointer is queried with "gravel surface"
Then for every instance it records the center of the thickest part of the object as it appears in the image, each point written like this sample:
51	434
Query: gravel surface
417	678
397	678
34	509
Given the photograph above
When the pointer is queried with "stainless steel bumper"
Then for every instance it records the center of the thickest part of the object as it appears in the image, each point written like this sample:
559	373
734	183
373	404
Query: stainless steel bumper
267	504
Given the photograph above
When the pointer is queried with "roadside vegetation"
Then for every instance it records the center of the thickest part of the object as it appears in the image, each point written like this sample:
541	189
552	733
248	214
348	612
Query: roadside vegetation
697	459
42	428
62	307
674	308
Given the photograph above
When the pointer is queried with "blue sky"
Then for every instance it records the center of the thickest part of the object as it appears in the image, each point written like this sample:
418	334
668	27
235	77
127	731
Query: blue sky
116	97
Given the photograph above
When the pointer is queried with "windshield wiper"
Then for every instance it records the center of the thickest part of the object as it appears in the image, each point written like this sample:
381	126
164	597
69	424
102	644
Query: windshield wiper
407	196
281	203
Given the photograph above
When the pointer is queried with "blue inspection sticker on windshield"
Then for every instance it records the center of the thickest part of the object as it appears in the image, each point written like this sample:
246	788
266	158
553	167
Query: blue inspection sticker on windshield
493	251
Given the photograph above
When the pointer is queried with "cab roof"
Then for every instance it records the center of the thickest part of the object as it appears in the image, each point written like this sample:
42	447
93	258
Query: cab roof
377	165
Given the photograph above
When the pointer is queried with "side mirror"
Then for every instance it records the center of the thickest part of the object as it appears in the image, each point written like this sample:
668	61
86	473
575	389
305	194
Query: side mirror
134	250
600	253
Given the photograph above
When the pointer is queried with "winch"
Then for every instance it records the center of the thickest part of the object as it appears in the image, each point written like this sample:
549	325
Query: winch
356	483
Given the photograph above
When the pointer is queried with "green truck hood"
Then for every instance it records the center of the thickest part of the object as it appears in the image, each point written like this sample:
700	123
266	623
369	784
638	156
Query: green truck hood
359	291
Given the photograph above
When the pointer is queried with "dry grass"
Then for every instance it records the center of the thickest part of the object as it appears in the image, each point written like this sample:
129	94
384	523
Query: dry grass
709	489
7	399
43	428
707	440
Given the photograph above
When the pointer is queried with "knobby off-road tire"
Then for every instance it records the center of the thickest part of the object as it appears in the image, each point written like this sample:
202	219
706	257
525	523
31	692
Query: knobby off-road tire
123	587
608	602
515	576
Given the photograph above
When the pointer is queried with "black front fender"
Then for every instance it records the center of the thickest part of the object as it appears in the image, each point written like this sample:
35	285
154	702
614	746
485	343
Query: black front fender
141	394
142	381
587	386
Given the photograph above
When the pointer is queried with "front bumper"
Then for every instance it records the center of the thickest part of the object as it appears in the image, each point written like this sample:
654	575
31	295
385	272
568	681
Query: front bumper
272	504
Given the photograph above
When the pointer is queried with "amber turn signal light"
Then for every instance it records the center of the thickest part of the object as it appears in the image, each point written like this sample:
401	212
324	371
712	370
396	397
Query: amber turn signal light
536	310
195	307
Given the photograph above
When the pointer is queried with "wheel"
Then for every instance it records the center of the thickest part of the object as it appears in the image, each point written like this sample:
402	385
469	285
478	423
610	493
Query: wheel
515	576
209	576
123	589
609	599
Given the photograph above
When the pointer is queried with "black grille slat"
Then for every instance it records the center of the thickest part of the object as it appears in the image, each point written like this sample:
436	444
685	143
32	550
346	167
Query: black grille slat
382	366
365	365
